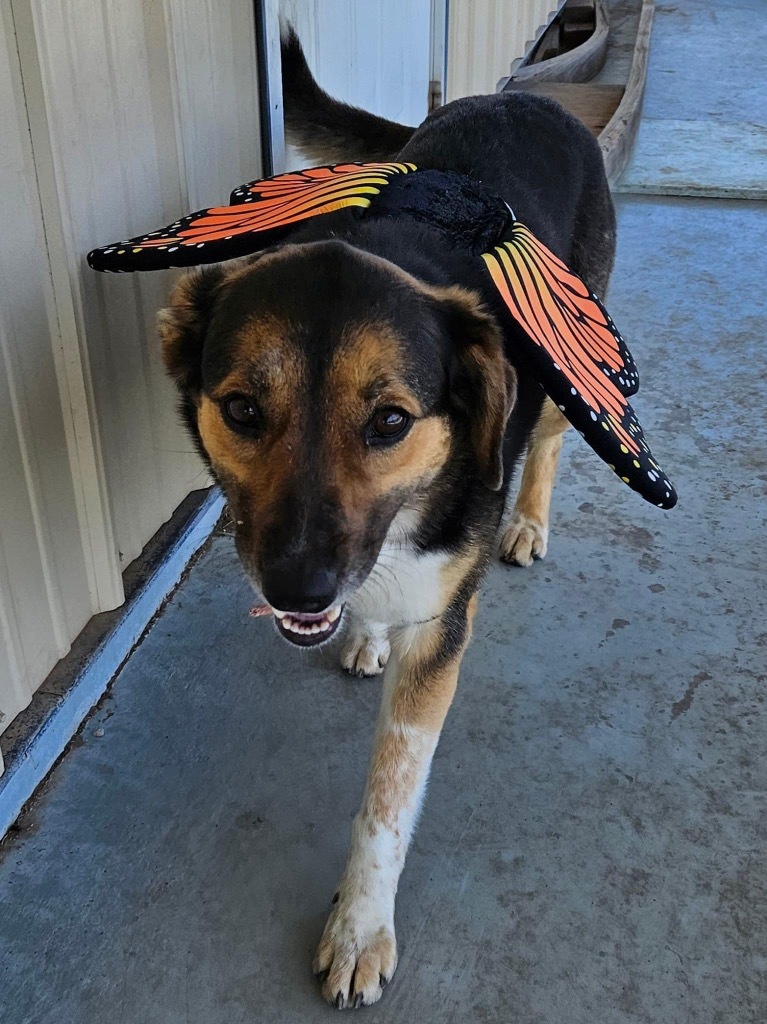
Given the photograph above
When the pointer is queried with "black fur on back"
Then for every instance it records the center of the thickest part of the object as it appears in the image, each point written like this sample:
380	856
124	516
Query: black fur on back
526	148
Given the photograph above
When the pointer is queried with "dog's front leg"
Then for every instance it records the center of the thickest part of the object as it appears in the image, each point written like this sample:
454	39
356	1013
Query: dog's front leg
358	951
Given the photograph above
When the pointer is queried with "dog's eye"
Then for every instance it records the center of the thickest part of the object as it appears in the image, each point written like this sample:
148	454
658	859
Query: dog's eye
240	413
388	426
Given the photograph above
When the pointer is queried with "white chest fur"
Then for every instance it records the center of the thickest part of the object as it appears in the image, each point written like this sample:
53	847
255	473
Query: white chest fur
405	586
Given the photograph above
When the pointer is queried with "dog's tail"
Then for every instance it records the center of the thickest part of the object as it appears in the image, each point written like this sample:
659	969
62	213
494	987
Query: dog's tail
324	129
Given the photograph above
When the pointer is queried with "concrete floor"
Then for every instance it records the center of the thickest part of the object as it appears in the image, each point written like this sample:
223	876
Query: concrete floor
704	119
592	848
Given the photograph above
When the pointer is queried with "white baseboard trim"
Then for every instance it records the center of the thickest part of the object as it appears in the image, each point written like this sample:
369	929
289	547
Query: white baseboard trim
43	748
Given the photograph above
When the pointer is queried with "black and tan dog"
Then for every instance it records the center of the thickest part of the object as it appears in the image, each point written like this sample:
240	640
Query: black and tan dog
364	413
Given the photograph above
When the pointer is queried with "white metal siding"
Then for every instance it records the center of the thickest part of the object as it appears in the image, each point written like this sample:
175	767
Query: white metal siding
484	37
115	117
41	552
164	121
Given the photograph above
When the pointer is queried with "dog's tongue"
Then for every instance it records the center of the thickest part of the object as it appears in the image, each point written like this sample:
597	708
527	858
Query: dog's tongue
259	610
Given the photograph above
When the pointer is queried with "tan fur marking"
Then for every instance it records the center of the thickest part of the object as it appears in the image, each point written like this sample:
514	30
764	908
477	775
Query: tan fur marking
526	535
367	374
416	700
419	703
455	572
392	777
534	499
270	367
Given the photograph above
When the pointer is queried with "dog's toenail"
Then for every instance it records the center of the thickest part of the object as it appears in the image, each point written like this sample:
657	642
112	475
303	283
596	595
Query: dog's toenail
340	1001
335	898
358	1001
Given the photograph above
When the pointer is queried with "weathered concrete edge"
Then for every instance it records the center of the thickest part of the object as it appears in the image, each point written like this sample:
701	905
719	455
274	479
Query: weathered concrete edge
693	190
49	740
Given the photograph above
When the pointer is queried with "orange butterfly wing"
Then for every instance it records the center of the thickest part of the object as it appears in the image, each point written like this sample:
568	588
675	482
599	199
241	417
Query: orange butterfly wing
259	214
578	356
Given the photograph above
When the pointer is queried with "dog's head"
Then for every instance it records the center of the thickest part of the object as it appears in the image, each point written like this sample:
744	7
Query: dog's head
329	390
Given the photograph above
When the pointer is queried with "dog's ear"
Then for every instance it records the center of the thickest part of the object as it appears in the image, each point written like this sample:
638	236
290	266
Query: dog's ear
183	324
483	384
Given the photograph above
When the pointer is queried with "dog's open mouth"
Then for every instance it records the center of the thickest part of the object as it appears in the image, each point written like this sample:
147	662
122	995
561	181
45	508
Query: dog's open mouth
306	630
301	628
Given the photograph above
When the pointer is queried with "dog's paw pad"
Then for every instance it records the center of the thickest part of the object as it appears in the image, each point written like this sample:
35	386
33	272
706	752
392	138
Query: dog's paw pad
523	541
365	655
355	959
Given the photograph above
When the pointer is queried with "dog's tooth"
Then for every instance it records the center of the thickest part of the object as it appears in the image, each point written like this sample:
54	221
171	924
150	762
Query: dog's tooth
333	614
324	626
278	615
315	628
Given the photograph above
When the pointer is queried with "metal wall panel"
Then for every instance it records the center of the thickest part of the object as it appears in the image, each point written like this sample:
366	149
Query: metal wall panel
116	117
45	596
164	120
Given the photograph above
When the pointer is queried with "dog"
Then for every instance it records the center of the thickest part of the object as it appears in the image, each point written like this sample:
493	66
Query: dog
365	412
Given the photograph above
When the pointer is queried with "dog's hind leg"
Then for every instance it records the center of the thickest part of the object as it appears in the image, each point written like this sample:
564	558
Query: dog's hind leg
526	535
357	954
366	648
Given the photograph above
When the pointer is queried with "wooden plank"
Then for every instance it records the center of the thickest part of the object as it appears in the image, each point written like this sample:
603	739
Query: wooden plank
618	136
546	41
577	13
592	103
578	65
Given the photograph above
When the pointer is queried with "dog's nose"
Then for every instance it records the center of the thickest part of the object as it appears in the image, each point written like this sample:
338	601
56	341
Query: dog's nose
298	590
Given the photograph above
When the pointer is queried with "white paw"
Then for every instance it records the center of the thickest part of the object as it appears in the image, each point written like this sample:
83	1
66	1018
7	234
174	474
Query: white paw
365	652
357	954
524	540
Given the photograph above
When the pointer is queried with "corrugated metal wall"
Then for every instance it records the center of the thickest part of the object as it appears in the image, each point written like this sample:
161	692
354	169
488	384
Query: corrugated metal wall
485	36
114	117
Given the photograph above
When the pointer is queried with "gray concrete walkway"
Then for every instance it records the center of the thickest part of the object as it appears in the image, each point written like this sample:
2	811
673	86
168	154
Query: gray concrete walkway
592	850
704	121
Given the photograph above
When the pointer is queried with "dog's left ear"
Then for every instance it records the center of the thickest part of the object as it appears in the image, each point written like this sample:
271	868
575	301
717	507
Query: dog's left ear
483	384
183	325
